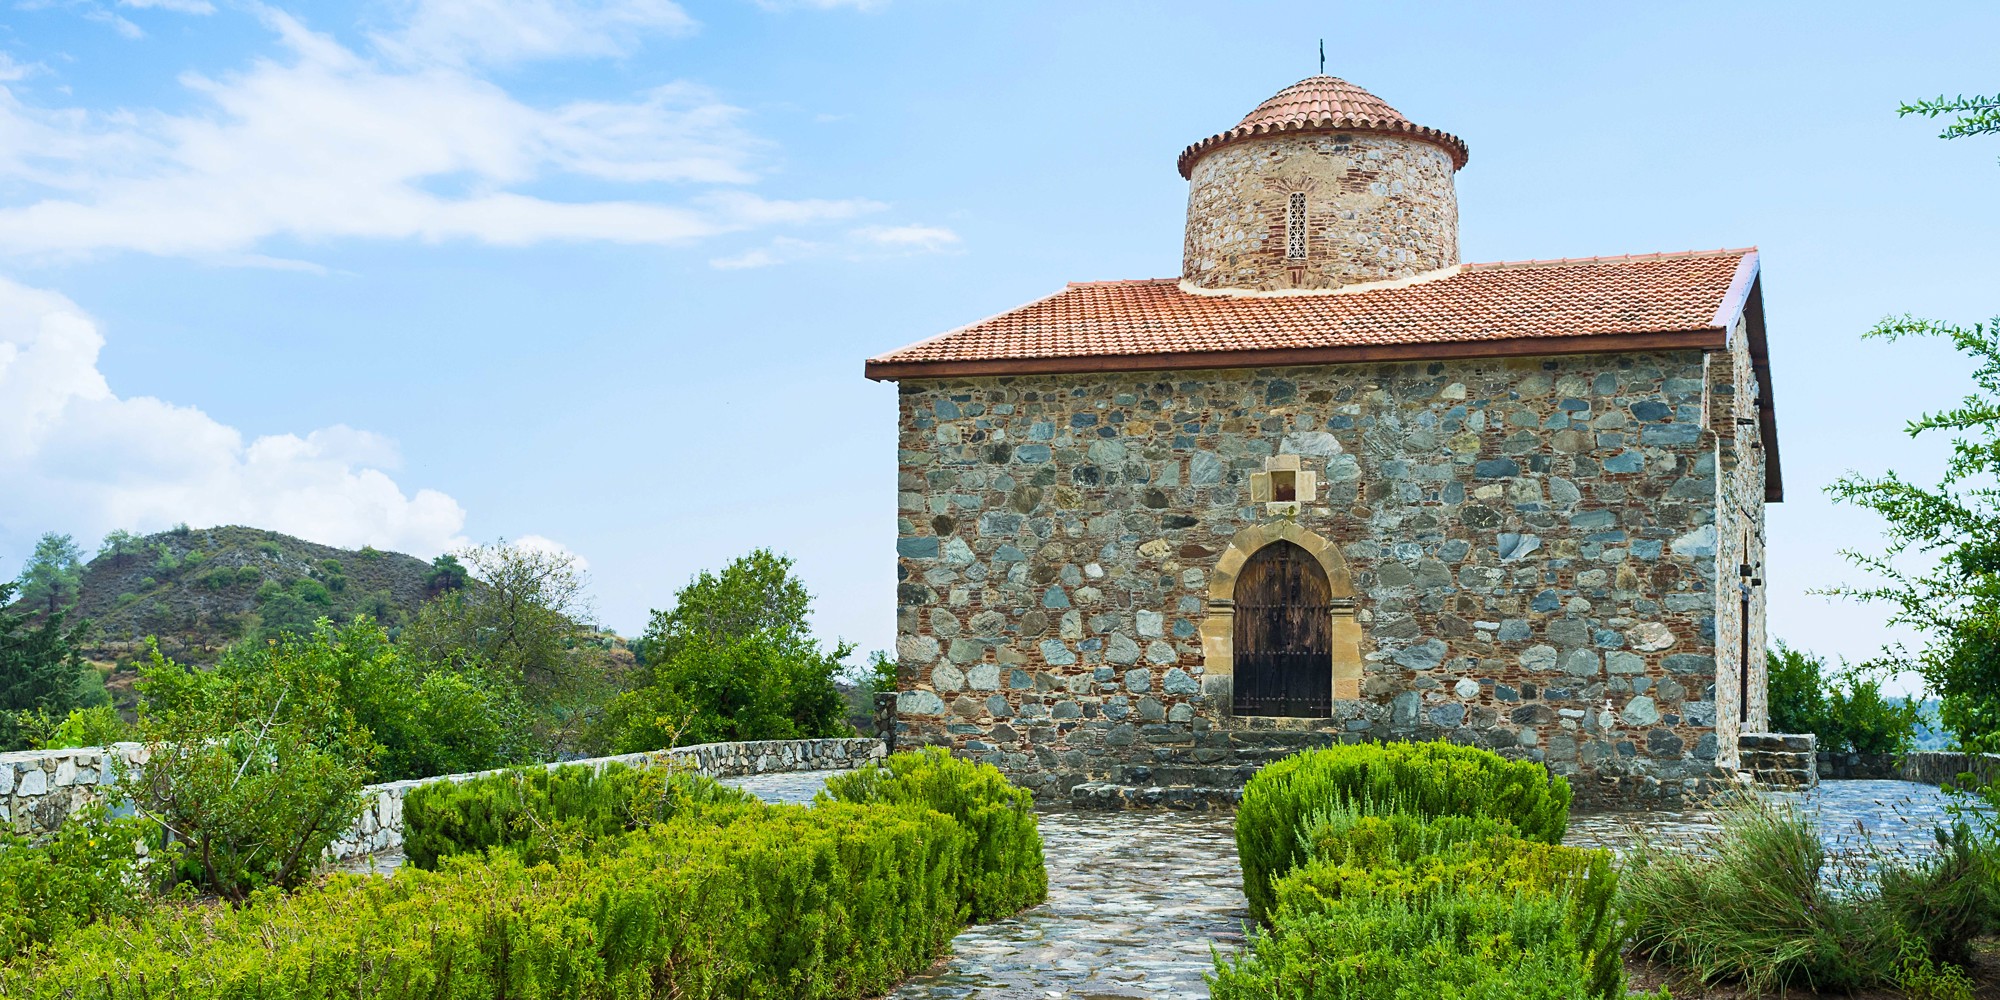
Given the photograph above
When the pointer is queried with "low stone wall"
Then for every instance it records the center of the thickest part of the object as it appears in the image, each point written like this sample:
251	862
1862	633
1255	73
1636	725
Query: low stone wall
1780	760
380	827
40	788
1859	766
1936	767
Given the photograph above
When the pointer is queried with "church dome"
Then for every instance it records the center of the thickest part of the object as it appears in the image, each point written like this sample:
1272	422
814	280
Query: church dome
1323	103
1322	186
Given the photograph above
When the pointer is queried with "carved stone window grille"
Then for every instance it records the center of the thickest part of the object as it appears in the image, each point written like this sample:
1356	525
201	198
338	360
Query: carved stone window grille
1295	226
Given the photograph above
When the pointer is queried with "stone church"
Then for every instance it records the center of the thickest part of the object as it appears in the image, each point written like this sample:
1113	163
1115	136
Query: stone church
1334	484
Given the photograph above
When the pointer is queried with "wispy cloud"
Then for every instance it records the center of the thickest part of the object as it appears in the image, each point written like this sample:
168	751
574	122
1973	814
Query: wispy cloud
497	32
320	141
196	7
864	243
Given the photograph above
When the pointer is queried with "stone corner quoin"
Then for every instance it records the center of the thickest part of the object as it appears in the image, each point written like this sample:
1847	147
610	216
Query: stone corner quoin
1556	556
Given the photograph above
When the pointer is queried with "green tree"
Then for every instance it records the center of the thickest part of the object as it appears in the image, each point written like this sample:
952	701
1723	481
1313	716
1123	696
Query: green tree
447	574
1846	709
121	547
427	719
41	671
734	659
253	767
1952	530
525	620
52	574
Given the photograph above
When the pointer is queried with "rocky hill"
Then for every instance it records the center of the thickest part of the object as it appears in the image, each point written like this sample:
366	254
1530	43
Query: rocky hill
201	589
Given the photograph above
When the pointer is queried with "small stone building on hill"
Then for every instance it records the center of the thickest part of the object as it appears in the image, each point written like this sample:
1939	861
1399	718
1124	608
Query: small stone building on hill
1333	484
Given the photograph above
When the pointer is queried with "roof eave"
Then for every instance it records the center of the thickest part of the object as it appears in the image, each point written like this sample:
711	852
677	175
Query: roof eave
1709	339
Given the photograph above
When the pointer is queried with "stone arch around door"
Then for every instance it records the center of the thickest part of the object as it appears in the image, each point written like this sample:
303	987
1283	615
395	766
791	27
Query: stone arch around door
1218	626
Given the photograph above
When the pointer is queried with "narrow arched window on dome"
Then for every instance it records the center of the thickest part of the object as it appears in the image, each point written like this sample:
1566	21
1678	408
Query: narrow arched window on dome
1295	226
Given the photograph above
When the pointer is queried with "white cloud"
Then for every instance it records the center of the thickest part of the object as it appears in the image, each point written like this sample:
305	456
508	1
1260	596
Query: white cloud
509	31
76	457
865	243
198	7
324	142
932	239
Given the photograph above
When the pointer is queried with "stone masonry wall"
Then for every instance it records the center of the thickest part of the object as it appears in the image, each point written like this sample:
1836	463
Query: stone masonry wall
1732	401
40	788
1377	207
1530	545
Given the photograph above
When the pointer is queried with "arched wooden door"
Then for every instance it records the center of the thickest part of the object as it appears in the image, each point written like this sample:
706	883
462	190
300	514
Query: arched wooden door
1284	635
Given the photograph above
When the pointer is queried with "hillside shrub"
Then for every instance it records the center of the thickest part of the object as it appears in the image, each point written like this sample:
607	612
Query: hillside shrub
831	902
1423	779
254	766
1760	902
90	868
1006	872
539	814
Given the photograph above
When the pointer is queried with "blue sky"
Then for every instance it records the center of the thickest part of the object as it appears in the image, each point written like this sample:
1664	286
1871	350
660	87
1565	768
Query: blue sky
603	273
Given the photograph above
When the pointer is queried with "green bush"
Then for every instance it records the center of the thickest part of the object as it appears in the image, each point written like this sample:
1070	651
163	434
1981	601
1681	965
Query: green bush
1006	873
831	902
1423	779
96	726
1846	709
248	575
1370	863
1760	902
1461	943
542	813
254	766
91	868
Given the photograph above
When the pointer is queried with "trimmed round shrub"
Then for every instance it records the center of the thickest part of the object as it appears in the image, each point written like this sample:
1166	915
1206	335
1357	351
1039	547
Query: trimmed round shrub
1006	873
1425	780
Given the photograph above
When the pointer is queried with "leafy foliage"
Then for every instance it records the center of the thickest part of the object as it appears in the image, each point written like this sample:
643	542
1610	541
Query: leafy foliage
428	719
254	766
539	814
41	673
1846	710
733	660
1955	527
1760	902
1423	779
526	621
1975	115
1005	873
91	868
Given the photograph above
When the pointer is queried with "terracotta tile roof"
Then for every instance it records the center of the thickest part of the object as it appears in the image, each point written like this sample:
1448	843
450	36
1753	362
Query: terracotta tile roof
1640	302
1322	104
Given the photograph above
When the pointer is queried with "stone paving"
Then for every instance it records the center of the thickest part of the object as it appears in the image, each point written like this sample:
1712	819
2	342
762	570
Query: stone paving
1137	899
